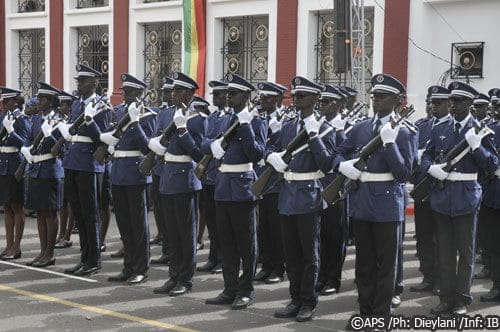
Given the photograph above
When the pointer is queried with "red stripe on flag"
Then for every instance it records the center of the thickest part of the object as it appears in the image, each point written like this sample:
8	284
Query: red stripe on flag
199	8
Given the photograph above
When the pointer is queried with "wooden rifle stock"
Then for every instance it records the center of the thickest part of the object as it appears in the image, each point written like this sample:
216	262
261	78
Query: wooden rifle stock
261	182
332	193
147	164
421	190
201	168
101	154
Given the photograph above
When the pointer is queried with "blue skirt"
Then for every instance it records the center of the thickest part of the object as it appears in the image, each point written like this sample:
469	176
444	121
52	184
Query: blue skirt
44	194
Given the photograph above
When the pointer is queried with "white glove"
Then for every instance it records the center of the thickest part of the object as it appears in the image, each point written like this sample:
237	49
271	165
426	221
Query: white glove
217	150
473	139
134	111
90	111
109	139
338	123
274	125
25	150
347	168
155	146
180	119
419	155
64	130
312	125
276	160
244	116
436	171
46	129
389	134
8	124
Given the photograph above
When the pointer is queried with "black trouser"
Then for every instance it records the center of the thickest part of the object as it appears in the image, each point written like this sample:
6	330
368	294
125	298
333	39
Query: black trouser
207	211
399	284
492	217
426	231
301	246
80	189
237	235
333	237
483	231
181	226
131	217
456	234
161	217
269	235
376	259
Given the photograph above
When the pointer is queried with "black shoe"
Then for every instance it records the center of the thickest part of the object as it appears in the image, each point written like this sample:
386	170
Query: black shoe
492	296
200	246
220	299
87	271
11	257
119	254
162	260
261	276
207	267
396	301
179	290
120	277
459	309
328	289
157	240
442	308
291	310
73	269
74	230
274	278
483	274
436	290
241	302
103	247
137	279
306	313
217	269
63	244
424	286
166	287
44	262
319	286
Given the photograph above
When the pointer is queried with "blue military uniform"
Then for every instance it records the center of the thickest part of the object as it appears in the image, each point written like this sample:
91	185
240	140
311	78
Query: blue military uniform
235	203
269	235
456	205
81	169
128	186
10	158
378	205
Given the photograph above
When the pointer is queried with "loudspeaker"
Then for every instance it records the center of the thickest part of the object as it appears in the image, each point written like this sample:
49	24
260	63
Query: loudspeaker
467	60
342	36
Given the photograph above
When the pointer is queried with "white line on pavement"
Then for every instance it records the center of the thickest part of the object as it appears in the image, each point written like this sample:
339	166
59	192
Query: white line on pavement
47	271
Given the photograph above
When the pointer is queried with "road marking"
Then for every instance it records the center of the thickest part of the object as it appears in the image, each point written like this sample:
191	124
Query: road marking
47	271
96	310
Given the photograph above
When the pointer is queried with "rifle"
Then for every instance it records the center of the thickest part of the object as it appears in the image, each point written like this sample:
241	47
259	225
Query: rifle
261	182
147	164
3	132
331	194
101	154
36	144
421	190
72	130
201	167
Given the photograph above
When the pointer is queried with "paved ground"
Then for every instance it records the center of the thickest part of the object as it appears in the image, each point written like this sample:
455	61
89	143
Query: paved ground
35	299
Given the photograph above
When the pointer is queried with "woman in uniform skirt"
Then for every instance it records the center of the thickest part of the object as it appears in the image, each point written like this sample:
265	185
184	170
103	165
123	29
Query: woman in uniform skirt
15	133
46	173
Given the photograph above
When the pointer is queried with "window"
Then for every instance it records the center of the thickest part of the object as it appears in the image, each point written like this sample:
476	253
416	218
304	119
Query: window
245	50
150	1
91	3
162	54
31	60
28	6
93	44
325	60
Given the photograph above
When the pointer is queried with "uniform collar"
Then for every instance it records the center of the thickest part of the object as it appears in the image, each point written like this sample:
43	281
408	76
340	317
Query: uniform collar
463	122
443	119
383	120
89	99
